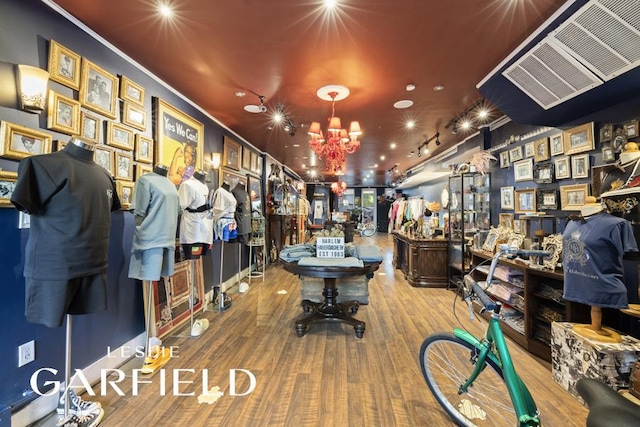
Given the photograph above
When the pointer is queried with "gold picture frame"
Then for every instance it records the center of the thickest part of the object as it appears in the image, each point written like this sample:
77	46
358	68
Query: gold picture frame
180	141
232	178
90	127
171	298
142	169
134	116
541	150
104	156
125	193
572	197
506	220
231	154
60	144
18	142
525	200
64	65
120	136
579	139
131	91
246	158
7	186
64	114
556	145
98	89
123	166
489	244
144	149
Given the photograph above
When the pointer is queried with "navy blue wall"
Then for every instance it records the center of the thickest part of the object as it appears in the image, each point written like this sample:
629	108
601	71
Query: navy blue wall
26	26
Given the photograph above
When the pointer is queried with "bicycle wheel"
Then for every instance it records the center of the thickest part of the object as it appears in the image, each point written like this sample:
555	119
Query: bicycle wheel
446	364
369	230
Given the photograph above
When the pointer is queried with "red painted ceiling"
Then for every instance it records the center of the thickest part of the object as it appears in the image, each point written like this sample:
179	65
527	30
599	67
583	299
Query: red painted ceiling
287	49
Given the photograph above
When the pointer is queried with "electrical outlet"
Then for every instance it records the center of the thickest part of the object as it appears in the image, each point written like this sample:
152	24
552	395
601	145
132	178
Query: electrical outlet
26	353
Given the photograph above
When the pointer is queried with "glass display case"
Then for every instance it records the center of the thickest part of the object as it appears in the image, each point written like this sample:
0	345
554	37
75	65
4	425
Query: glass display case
467	200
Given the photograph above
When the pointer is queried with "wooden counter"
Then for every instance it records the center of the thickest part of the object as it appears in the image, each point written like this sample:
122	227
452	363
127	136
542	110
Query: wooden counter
423	261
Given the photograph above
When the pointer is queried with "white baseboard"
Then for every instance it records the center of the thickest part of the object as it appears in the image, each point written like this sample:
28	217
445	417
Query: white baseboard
44	405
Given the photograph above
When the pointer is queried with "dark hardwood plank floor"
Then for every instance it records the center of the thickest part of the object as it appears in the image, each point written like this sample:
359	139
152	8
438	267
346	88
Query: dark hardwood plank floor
328	377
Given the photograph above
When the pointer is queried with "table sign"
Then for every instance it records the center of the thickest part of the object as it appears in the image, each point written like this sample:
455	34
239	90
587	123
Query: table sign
330	247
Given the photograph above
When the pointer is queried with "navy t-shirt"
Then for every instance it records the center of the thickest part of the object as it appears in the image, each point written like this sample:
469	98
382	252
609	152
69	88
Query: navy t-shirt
70	199
592	255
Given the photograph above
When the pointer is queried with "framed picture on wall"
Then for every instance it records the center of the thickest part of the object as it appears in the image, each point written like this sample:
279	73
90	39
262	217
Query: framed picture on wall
134	116
606	132
547	199
7	186
64	65
608	154
18	142
231	154
246	158
124	166
90	127
144	149
556	146
529	149
142	169
506	220
541	150
523	170
506	198
180	141
515	154
579	139
232	178
63	114
104	156
131	91
526	200
98	89
563	169
504	159
543	173
572	197
120	136
125	193
631	129
580	166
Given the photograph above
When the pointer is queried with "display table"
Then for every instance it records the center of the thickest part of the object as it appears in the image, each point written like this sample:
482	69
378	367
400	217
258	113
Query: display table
330	309
574	357
423	261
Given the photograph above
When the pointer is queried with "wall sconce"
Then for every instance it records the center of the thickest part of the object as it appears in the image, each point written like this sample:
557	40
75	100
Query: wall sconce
32	86
215	160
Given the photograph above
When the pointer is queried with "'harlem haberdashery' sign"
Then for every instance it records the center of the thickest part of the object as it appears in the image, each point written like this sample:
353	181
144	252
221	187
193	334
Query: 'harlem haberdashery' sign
330	247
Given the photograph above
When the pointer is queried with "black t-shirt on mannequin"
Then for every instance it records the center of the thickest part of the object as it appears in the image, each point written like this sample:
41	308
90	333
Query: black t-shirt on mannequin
70	199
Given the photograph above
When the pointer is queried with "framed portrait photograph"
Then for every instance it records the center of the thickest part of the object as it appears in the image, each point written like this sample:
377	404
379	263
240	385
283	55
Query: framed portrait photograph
246	158
541	150
104	156
547	199
124	166
523	170
259	164
631	128
254	162
608	154
131	91
504	159
543	173
552	244
144	149
515	154
64	65
563	168
606	132
64	114
120	136
580	166
506	198
506	220
171	298
529	149
7	186
556	146
179	141
125	193
98	89
572	197
491	240
90	127
142	169
18	142
231	153
579	139
134	116
526	200
232	178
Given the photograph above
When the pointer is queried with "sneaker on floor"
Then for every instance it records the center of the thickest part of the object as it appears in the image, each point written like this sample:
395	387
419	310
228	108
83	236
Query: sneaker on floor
91	419
77	406
199	326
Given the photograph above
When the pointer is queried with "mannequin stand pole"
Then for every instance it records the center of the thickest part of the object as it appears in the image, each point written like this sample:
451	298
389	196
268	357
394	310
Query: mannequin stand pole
67	366
148	319
192	263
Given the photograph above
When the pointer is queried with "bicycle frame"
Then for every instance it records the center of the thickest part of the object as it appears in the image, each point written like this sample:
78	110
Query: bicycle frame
494	347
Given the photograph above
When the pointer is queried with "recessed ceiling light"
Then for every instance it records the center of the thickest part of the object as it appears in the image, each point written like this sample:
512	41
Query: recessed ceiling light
410	87
392	145
165	10
240	93
296	145
404	103
382	157
438	88
410	124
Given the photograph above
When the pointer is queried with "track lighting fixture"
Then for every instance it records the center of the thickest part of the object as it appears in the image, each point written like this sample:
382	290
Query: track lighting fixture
454	130
438	138
481	114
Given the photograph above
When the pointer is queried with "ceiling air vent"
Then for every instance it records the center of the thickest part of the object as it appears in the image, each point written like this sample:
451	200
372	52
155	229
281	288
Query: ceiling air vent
597	43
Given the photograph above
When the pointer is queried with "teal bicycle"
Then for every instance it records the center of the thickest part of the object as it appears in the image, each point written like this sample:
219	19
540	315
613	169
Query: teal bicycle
474	379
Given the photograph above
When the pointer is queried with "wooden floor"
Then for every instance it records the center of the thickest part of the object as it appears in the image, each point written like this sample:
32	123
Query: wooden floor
328	377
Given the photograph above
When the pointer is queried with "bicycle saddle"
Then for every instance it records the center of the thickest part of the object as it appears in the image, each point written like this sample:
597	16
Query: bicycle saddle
607	407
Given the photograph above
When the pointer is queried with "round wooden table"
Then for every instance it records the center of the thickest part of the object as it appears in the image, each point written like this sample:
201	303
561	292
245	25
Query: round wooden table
330	309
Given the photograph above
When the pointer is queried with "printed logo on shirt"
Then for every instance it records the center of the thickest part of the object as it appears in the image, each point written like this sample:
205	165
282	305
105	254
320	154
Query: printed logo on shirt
573	250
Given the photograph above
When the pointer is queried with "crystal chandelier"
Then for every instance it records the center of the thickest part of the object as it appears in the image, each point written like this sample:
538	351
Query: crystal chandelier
339	188
338	142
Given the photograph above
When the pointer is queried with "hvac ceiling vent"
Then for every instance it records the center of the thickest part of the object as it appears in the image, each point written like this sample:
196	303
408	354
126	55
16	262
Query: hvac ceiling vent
597	43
